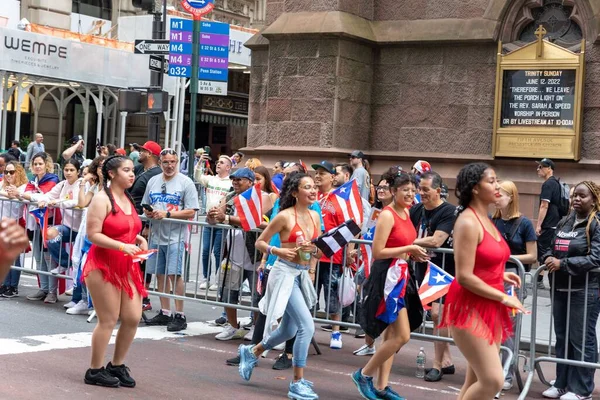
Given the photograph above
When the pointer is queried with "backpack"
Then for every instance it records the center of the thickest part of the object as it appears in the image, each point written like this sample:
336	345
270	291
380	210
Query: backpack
564	203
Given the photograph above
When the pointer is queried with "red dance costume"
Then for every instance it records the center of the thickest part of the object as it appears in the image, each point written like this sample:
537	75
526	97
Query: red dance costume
403	232
118	268
483	317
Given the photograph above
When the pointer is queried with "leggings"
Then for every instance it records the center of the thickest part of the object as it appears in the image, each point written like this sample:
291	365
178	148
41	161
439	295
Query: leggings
296	321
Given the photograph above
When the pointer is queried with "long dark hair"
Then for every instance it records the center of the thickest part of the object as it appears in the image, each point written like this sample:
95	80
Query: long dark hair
265	173
74	162
468	177
290	185
112	163
94	165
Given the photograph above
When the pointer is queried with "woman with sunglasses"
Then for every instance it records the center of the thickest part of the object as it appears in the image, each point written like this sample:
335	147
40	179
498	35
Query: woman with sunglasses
44	180
13	184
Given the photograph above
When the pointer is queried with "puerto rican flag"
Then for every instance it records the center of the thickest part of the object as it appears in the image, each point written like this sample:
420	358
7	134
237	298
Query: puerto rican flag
347	201
366	250
144	255
249	207
41	217
393	292
435	284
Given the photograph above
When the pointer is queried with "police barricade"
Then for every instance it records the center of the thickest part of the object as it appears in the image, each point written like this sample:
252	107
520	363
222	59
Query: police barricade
573	317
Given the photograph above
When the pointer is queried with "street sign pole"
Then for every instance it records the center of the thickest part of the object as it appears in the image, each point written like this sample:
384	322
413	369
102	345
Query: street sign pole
194	94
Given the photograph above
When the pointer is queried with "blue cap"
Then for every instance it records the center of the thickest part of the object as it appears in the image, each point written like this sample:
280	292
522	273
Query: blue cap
243	173
326	165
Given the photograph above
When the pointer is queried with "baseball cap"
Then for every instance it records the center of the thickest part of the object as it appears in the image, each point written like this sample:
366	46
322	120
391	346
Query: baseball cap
546	162
135	145
326	165
243	173
121	151
76	139
152	147
357	154
422	166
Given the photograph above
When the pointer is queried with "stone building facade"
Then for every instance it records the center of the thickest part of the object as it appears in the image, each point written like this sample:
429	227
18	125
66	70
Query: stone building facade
406	80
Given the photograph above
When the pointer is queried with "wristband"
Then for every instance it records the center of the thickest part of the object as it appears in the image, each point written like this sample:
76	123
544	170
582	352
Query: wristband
504	299
121	247
270	250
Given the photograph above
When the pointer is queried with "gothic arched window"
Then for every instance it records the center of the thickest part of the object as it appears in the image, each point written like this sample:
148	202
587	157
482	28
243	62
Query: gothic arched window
558	18
94	8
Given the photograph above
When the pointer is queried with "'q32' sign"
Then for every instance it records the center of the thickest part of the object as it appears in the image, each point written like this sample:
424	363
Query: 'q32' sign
198	8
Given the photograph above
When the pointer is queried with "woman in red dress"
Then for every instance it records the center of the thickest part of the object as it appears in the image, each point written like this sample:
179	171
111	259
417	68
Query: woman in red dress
477	309
113	279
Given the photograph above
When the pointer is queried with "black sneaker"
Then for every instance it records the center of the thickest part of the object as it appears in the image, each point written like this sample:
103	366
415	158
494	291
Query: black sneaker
329	328
282	362
235	361
3	289
11	292
101	377
159	319
220	321
121	372
178	323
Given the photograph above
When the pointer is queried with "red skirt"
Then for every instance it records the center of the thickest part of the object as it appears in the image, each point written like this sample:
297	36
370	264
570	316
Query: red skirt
117	269
483	317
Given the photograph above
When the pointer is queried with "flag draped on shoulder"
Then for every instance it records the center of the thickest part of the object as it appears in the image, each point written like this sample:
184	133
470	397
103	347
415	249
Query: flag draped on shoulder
249	207
347	200
435	284
393	292
332	241
41	217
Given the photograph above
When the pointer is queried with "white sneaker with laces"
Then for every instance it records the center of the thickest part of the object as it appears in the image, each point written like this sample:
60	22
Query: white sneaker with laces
336	340
553	393
214	287
249	335
229	333
203	285
507	385
573	396
80	308
70	304
364	350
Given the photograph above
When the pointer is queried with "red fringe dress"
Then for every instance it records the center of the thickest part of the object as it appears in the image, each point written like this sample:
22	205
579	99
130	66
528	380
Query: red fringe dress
483	317
118	268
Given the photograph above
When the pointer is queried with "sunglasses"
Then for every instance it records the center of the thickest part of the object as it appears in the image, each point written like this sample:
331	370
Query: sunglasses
10	172
168	151
382	188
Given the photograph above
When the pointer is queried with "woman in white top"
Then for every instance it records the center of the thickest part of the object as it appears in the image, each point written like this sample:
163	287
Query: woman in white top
15	180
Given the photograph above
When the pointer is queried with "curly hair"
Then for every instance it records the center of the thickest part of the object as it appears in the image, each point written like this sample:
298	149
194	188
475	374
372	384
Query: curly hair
112	163
20	174
47	160
469	176
289	187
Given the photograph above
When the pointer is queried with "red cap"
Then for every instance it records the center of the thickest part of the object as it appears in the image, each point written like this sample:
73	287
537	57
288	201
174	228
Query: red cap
152	147
120	151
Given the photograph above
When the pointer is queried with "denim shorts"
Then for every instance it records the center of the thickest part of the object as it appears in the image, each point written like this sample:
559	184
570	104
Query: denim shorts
168	260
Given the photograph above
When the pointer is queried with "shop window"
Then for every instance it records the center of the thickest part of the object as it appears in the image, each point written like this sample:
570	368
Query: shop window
94	8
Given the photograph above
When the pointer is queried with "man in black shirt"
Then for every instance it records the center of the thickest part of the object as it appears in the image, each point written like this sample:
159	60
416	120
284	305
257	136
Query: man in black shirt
75	151
548	215
149	154
433	219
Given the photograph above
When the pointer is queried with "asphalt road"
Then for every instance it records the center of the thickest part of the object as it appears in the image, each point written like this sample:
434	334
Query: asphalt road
45	352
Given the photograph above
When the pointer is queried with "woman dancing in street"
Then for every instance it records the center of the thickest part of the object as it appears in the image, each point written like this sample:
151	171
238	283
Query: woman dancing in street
289	287
392	244
112	278
477	309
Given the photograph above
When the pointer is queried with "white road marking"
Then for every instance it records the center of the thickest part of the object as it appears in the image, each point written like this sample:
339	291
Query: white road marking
32	344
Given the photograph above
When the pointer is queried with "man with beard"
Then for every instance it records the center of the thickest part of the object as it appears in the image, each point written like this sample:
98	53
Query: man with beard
433	219
75	151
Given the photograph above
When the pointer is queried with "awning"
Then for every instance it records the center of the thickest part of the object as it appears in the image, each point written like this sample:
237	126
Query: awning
223	118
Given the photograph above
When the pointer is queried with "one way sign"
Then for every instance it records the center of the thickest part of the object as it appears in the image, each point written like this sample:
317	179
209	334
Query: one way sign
152	46
158	64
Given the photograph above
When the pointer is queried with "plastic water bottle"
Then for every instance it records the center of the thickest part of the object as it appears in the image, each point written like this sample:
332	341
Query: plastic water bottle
304	256
421	358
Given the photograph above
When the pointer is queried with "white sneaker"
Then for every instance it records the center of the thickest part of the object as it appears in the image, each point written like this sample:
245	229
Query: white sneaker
70	304
214	287
69	292
364	350
249	335
336	340
59	270
203	285
279	347
573	396
553	393
507	385
229	333
80	308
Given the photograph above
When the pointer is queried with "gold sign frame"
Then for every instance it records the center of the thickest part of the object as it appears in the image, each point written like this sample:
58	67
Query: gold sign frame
536	141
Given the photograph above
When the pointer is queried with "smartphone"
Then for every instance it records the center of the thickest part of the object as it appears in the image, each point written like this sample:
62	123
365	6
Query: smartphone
207	149
147	207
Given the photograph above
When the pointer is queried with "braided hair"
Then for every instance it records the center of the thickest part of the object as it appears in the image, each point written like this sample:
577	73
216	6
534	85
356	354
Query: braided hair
290	185
595	191
112	163
468	177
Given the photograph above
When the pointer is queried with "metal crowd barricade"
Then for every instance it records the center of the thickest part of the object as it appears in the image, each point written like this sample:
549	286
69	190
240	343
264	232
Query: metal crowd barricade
546	356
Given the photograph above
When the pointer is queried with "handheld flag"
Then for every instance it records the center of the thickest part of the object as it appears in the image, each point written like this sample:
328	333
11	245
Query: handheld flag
393	292
41	217
304	166
249	207
144	255
259	282
435	284
368	234
347	201
331	242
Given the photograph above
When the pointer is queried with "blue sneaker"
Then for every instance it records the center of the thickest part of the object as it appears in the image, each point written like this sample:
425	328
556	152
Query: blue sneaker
247	361
302	390
364	385
389	394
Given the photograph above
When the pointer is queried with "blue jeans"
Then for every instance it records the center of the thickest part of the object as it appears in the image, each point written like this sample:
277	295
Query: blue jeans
210	236
296	321
55	246
47	283
576	379
12	279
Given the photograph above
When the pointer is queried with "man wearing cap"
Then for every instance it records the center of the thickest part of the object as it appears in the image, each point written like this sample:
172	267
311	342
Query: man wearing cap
548	215
75	151
241	252
418	170
171	195
360	174
134	154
